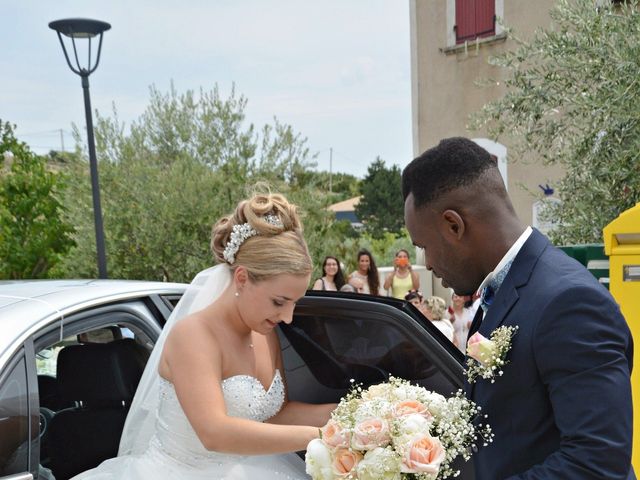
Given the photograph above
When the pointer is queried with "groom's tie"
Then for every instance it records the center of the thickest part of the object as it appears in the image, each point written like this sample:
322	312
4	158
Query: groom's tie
486	298
487	295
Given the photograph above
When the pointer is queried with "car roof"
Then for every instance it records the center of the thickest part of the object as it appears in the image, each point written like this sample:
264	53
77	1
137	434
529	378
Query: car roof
25	303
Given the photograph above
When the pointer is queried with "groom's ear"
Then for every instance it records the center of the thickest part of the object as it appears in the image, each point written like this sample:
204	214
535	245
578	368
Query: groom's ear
454	225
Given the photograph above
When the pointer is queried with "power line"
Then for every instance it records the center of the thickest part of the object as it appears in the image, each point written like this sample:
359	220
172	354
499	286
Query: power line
44	132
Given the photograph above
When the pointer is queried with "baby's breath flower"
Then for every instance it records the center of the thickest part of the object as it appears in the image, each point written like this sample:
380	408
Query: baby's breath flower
491	356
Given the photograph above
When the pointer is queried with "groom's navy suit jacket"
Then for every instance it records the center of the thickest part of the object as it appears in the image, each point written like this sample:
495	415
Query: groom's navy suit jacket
562	409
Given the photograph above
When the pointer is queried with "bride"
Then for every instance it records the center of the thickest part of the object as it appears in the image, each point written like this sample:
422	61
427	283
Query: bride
212	401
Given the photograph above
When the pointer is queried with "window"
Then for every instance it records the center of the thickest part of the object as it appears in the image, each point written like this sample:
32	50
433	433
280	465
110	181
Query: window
498	151
325	350
14	421
474	19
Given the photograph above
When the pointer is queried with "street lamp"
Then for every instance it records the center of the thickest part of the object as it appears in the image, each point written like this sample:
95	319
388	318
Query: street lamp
85	28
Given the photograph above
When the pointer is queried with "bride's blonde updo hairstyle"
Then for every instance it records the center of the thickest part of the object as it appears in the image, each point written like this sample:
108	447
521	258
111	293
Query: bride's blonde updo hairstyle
276	249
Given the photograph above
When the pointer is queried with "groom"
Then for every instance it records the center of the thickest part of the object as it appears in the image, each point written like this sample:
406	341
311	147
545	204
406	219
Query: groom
562	409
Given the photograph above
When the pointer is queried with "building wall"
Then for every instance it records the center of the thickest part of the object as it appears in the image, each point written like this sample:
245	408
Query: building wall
444	91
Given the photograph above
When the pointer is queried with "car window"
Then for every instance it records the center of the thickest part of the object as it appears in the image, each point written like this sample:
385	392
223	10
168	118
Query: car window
325	353
171	300
46	358
14	421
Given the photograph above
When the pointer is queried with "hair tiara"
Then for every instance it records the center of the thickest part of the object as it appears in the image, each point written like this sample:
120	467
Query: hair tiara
240	233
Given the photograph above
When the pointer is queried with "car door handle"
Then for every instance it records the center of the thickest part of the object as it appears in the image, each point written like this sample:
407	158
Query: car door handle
19	476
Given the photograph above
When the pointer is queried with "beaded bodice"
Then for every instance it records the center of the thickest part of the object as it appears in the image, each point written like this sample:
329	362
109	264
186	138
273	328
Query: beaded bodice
244	396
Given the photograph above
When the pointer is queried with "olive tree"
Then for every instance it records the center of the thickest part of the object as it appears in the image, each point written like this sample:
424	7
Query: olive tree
573	99
185	162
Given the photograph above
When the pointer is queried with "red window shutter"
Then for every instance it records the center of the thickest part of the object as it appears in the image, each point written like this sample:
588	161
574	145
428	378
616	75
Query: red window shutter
474	18
465	20
485	17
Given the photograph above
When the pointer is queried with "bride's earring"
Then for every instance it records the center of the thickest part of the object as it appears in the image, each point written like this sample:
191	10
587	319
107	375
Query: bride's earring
237	294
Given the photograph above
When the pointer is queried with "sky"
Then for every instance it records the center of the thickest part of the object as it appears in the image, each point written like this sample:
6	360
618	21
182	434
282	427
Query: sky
337	71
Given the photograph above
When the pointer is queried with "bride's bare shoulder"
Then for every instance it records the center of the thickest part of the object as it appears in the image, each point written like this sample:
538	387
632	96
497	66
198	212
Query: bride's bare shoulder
193	331
188	344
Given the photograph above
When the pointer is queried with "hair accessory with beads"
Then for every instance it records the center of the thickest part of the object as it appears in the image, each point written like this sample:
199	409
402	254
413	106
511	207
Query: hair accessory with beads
240	233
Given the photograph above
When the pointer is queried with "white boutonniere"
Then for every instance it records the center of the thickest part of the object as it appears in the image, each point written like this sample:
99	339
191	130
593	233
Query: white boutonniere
487	356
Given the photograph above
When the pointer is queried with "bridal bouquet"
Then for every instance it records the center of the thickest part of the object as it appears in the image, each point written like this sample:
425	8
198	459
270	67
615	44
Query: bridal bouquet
395	431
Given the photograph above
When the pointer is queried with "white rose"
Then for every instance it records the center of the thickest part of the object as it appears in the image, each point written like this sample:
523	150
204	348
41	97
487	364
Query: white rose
408	427
435	397
437	404
318	460
379	464
382	390
413	424
400	393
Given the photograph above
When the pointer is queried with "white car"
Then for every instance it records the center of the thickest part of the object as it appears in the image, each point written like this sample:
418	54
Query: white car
72	353
38	321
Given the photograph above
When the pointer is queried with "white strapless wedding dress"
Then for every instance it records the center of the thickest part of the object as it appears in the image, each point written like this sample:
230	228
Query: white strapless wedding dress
175	452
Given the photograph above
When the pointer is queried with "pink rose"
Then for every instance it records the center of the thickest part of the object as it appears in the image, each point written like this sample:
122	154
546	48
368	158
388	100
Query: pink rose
371	433
345	462
411	407
423	454
480	348
335	436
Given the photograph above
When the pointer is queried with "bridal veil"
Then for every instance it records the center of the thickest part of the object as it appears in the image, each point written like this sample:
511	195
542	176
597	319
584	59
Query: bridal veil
140	423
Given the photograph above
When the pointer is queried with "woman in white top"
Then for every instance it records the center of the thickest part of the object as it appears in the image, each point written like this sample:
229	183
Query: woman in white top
365	279
461	315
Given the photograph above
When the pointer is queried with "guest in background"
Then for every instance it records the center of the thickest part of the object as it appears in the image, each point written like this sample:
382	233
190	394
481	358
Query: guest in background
461	314
332	277
414	297
347	287
435	308
403	278
365	278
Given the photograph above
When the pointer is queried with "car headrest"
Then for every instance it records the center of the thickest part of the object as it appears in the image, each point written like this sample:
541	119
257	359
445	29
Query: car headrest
100	373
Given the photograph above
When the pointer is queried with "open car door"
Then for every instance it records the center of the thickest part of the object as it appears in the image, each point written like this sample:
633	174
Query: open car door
339	339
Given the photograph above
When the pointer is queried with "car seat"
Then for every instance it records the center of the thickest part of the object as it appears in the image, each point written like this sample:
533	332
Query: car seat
101	379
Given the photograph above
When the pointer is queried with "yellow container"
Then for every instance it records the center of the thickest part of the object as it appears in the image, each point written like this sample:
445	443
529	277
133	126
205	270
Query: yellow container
622	245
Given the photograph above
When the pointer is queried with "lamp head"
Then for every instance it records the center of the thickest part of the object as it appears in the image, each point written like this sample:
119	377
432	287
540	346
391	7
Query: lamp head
79	27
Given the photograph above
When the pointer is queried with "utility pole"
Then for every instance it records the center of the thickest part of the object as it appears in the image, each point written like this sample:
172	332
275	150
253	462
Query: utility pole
61	140
330	168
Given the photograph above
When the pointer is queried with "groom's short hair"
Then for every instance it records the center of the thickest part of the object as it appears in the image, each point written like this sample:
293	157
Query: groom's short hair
453	163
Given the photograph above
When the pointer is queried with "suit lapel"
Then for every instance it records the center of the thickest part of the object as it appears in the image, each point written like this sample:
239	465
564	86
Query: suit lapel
518	276
507	295
504	300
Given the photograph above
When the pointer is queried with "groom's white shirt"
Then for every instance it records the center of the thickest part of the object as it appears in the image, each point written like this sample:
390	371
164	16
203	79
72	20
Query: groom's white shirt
507	259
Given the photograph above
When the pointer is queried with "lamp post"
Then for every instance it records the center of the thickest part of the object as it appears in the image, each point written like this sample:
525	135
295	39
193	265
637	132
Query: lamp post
84	28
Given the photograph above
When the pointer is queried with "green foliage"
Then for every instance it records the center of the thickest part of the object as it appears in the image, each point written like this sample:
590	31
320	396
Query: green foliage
381	208
343	185
186	162
154	229
573	99
384	249
33	235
